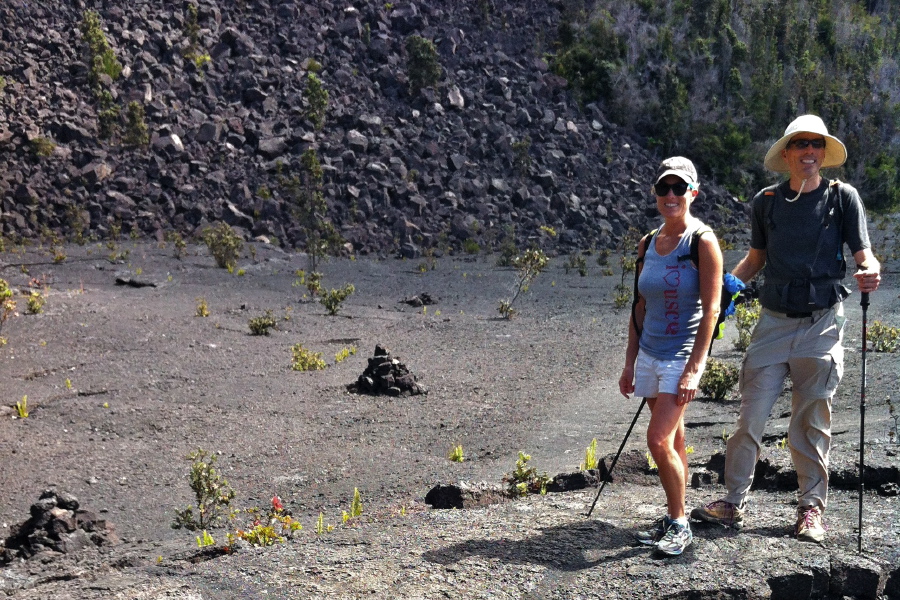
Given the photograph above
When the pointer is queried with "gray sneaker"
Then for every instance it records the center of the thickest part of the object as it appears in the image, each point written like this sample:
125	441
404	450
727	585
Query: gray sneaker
720	511
677	538
650	537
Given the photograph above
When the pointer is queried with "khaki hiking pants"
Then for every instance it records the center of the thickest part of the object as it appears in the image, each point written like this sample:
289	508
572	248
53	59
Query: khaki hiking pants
809	350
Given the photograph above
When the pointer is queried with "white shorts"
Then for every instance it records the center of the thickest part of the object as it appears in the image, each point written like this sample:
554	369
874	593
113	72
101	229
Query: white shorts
653	376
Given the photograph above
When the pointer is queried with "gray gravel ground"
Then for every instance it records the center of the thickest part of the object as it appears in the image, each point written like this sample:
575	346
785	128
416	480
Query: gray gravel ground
150	381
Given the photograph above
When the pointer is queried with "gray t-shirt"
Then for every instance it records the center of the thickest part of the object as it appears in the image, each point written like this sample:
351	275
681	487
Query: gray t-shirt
670	286
804	242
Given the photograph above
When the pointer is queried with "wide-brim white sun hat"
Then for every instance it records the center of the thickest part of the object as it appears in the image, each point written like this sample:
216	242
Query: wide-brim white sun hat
835	151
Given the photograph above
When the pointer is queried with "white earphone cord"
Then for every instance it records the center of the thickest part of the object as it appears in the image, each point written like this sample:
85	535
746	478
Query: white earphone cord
802	185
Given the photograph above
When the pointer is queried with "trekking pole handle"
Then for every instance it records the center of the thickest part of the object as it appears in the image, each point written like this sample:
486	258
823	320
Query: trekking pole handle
864	301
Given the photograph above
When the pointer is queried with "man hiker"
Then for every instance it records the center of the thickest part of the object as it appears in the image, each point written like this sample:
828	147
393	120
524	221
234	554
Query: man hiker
798	229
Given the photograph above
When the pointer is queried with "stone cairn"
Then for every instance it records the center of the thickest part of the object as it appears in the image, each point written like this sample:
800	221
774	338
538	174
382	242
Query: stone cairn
57	524
386	376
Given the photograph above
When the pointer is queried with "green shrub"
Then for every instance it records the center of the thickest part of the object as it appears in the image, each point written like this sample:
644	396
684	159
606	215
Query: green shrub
102	59
224	244
576	262
7	306
202	307
136	133
718	379
590	457
108	122
333	299
317	98
724	79
525	479
42	147
522	155
212	494
22	408
883	337
423	67
883	182
746	316
356	507
305	194
275	526
590	60
306	360
456	454
36	302
262	324
528	265
470	246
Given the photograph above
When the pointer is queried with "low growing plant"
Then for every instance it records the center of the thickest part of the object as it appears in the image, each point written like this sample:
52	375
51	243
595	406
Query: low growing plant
423	67
883	337
262	324
224	244
136	133
746	316
306	360
333	299
344	353
42	147
205	540
317	99
178	242
36	302
525	479
456	454
7	304
718	379
590	457
22	407
321	527
356	507
312	281
275	526
576	262
202	307
528	265
651	464
212	494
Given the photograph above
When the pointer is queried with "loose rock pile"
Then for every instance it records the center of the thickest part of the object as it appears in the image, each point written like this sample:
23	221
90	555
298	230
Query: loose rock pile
497	149
387	376
57	524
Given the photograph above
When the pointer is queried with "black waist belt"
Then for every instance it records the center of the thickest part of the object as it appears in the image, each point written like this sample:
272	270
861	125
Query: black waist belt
802	315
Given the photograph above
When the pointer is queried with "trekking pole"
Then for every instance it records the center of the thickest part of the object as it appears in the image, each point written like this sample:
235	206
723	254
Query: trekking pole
864	302
616	459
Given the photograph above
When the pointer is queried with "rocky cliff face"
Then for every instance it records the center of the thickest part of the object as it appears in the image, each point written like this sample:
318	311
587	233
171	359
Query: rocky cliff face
492	152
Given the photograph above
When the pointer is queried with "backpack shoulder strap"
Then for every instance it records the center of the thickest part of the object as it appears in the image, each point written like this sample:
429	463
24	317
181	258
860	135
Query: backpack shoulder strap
695	244
834	187
725	299
642	250
770	195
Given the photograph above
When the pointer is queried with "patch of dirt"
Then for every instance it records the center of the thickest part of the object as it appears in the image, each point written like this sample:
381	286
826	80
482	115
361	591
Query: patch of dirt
124	380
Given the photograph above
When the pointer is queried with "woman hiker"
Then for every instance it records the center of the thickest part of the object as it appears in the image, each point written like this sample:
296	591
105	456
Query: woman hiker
671	328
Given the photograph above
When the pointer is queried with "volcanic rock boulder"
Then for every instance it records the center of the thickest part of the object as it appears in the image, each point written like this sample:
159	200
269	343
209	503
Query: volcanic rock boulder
57	524
386	375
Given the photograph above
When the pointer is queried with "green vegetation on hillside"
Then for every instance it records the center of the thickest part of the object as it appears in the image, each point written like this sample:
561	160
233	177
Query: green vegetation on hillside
719	80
